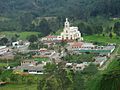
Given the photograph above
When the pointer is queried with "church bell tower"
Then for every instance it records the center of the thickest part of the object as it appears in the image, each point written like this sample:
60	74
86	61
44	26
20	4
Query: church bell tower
67	24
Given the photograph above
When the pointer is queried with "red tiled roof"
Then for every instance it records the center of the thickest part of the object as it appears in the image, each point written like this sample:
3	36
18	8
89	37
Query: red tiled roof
79	44
51	36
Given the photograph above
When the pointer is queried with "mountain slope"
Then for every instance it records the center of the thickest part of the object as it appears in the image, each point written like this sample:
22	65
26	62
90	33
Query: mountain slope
74	8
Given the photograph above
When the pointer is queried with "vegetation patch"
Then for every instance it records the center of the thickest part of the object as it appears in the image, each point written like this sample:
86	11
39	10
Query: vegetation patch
41	59
100	38
19	87
21	35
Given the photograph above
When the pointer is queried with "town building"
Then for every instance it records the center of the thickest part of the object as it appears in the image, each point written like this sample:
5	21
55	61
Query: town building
3	50
77	66
69	65
75	45
81	66
42	53
6	53
52	38
20	44
80	45
83	47
30	67
100	60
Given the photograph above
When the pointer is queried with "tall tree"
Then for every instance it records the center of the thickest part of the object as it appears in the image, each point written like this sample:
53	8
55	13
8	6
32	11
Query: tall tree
117	28
3	41
32	38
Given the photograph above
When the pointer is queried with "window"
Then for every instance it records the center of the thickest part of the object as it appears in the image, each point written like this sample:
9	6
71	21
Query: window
39	71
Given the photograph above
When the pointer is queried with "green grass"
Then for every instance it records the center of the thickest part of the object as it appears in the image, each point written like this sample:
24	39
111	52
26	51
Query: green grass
119	51
2	64
19	87
4	19
23	35
12	63
99	38
58	32
114	65
41	59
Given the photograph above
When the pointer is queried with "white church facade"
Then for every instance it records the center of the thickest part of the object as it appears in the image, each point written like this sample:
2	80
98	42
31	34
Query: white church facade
70	32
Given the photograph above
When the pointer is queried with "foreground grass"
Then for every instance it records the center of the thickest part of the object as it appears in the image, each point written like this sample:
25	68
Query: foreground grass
23	35
19	87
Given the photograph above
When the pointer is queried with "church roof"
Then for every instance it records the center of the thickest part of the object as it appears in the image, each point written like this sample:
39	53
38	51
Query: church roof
51	36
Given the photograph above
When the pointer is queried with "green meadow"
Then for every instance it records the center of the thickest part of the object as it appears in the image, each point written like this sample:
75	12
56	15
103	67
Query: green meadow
99	38
41	59
22	35
3	64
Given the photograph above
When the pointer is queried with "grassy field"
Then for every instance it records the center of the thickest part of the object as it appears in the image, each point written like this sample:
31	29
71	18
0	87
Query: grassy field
23	35
18	87
98	38
4	19
41	59
119	51
2	64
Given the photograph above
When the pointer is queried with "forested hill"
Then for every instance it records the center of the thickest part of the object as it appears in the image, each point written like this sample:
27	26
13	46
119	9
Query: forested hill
75	8
25	15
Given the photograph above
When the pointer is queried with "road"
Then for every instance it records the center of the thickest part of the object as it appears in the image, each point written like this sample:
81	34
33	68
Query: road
55	56
113	57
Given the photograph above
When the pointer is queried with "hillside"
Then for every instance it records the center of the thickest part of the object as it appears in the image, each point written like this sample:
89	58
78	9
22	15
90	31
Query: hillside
75	8
21	15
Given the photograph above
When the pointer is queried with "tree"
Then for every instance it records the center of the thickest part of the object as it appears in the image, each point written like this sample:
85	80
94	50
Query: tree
3	41
117	28
33	46
50	68
32	38
13	39
110	35
90	70
56	78
44	27
78	82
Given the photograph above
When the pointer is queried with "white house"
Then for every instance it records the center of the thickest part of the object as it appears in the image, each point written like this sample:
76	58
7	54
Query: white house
69	65
14	44
80	67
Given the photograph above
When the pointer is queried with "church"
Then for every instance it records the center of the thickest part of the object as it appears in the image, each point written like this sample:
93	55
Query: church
70	32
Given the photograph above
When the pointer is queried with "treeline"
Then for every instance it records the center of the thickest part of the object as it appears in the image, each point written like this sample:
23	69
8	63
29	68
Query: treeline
93	15
71	8
30	23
